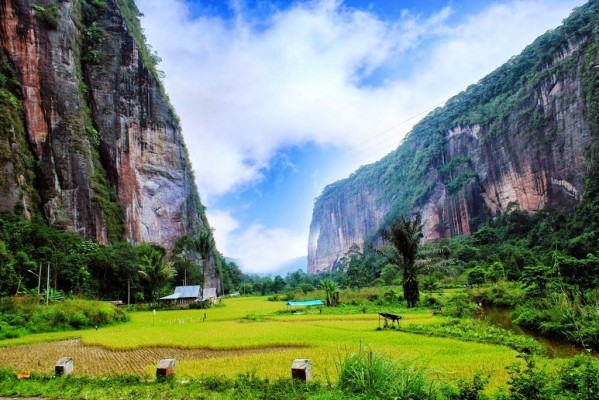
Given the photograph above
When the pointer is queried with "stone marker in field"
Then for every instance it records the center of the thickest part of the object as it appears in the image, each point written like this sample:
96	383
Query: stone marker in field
166	367
301	369
64	366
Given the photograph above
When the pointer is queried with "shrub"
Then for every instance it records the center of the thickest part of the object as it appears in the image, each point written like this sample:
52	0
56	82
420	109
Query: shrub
47	15
468	390
200	305
460	306
19	317
375	376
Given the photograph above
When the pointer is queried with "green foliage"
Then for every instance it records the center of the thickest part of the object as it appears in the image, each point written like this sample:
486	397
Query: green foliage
77	266
476	276
503	294
405	234
460	306
468	390
330	287
460	181
93	40
47	15
154	270
375	376
21	316
150	58
477	331
14	147
563	316
528	382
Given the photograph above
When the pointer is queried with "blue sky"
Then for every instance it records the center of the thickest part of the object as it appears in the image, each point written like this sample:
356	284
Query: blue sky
277	98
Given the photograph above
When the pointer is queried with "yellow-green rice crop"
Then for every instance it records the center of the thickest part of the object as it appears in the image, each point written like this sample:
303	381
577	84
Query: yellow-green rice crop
275	340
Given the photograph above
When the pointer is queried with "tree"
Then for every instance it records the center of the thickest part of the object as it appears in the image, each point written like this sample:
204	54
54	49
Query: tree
185	259
476	276
330	287
155	271
389	274
278	284
404	235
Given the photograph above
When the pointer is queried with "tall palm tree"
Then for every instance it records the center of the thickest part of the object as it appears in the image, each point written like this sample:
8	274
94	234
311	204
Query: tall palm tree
330	287
405	235
155	271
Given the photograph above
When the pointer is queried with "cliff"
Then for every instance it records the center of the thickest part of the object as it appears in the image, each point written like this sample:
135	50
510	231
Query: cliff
88	139
524	135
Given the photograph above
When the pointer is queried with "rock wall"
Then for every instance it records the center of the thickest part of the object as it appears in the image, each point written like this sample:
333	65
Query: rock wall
109	161
492	147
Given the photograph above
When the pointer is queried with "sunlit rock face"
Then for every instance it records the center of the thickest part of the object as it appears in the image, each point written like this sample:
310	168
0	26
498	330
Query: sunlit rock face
460	169
108	157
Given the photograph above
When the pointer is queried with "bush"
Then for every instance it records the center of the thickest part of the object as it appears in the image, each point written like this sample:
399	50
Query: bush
477	331
47	15
19	317
200	305
375	376
468	390
558	315
460	306
504	294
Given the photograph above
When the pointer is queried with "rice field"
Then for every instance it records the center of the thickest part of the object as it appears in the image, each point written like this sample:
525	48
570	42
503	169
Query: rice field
247	335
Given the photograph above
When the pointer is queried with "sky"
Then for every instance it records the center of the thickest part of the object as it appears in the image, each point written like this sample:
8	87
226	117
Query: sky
278	99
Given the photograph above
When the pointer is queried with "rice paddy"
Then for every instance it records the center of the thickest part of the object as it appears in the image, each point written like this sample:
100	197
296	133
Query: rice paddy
251	335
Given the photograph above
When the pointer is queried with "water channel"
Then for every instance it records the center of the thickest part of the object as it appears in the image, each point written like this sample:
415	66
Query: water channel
554	348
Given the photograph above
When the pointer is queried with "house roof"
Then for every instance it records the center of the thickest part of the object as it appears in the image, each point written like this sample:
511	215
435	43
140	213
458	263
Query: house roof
184	292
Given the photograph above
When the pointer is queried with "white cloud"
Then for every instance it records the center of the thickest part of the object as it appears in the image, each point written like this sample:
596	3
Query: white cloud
224	224
245	88
258	249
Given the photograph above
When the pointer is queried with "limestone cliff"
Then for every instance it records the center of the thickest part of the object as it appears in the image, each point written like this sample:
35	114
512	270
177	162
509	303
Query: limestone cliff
521	136
88	139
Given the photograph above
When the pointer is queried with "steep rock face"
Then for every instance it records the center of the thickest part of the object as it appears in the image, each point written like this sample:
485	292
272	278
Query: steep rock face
53	115
107	158
521	137
141	141
333	233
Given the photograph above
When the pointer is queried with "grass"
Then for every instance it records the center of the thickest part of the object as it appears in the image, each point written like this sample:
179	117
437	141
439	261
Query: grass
267	345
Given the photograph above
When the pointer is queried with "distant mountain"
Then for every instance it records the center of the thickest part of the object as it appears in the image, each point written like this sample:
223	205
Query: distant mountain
524	136
299	263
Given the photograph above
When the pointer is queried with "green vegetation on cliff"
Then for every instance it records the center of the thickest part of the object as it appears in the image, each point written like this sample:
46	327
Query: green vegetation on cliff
500	102
15	155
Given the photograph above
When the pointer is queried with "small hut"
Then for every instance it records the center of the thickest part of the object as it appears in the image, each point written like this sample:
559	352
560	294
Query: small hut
184	295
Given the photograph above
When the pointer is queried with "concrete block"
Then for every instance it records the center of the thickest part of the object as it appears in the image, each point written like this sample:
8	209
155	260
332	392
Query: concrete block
165	367
64	366
301	369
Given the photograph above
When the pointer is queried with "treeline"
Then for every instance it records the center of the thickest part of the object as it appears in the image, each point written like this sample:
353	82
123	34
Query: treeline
86	269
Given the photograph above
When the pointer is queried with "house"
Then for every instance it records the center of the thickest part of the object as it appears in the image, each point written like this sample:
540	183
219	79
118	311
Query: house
184	295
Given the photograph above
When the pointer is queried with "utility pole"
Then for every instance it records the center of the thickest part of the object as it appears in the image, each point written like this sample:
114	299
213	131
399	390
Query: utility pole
128	292
39	278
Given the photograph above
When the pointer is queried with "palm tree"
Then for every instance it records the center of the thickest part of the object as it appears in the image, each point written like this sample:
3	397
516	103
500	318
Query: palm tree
155	271
405	235
330	287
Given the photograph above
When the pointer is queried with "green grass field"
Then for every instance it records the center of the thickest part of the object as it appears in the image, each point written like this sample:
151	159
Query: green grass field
266	339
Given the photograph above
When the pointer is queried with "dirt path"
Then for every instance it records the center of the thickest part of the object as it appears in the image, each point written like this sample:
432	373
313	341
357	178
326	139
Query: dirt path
92	360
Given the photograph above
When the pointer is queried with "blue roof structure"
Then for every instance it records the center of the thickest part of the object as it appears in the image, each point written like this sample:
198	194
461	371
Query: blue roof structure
305	303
